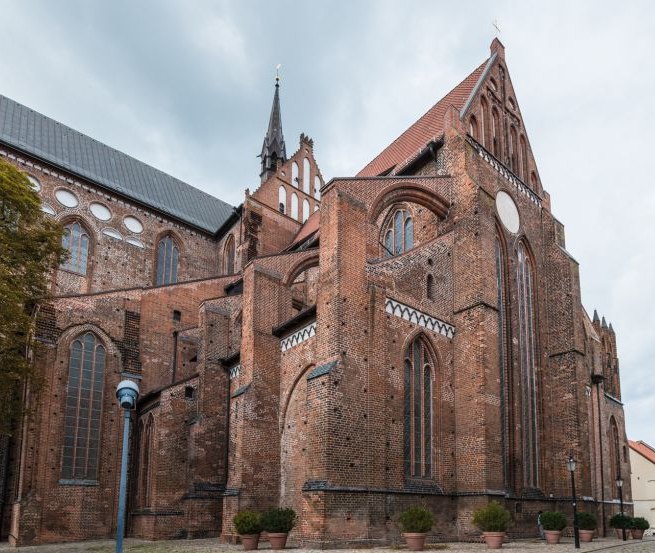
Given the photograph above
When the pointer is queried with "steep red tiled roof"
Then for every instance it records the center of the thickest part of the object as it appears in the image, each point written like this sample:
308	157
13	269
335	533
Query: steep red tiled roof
643	449
309	228
427	128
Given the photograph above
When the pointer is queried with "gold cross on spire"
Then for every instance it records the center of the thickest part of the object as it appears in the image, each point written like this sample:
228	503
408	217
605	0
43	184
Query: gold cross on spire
495	25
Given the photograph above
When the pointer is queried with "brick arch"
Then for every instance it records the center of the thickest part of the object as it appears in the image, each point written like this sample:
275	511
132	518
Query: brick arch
72	332
429	342
402	191
300	267
65	219
177	240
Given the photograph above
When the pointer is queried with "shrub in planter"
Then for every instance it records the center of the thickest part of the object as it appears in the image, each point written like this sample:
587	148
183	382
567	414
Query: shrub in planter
553	523
493	520
248	525
586	524
278	522
415	522
620	521
638	526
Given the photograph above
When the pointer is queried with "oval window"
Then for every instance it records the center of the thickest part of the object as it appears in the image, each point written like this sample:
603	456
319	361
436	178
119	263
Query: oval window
66	198
507	211
100	211
135	242
133	224
34	182
112	233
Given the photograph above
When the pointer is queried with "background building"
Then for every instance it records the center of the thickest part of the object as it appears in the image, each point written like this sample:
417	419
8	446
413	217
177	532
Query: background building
642	463
411	334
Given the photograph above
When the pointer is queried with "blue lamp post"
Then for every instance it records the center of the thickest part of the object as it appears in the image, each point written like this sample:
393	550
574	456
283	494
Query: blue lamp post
127	393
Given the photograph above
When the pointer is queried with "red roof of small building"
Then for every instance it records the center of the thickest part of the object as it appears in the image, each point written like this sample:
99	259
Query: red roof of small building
420	134
643	449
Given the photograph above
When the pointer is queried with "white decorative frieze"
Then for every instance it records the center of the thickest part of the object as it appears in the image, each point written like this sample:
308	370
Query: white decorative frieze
520	186
419	318
235	371
298	337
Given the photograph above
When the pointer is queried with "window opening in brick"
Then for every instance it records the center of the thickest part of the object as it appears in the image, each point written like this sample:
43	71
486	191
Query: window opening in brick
168	256
228	256
527	349
418	410
399	233
146	443
189	392
177	316
495	132
484	117
524	158
502	356
282	199
473	127
429	287
83	409
294	206
76	240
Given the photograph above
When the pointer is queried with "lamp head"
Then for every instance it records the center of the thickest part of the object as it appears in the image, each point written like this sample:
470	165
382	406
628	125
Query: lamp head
619	482
570	463
127	393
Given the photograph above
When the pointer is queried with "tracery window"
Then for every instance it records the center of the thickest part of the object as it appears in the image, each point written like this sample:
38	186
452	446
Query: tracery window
399	233
502	354
228	256
418	410
527	350
168	257
76	240
83	409
484	118
495	132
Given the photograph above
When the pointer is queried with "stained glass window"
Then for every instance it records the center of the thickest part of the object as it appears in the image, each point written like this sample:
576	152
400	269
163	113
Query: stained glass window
399	233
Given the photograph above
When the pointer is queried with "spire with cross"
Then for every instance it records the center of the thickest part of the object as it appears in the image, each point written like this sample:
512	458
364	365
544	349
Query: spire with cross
274	149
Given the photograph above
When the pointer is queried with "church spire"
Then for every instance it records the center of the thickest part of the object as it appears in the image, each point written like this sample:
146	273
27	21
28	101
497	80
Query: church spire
273	148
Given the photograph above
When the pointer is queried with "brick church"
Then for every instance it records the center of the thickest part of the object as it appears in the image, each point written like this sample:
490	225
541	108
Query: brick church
413	334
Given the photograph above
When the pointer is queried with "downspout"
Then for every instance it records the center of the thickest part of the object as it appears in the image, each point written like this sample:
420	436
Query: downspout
597	379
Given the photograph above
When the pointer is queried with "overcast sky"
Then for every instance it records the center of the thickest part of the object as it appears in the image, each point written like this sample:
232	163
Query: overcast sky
187	87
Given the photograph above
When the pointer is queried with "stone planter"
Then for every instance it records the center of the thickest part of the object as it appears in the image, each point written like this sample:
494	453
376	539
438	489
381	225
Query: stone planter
637	534
249	541
552	536
415	540
494	540
586	535
278	540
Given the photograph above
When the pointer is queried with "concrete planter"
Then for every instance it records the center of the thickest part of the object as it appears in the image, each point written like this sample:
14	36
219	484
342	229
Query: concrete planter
637	534
586	535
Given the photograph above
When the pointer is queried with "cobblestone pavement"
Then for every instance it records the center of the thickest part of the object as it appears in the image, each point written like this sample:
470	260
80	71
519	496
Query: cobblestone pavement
213	546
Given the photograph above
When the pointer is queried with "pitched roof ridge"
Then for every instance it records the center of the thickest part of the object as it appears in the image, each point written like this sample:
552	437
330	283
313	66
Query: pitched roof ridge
444	102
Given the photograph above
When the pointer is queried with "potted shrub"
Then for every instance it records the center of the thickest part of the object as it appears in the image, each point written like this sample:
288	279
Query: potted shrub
553	522
415	523
638	526
493	520
248	525
278	522
620	522
586	525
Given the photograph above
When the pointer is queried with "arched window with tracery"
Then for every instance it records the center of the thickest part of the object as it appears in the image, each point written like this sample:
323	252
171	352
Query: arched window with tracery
484	118
168	259
419	367
495	132
86	368
524	158
76	240
615	460
473	127
146	438
282	199
398	233
501	306
228	256
528	363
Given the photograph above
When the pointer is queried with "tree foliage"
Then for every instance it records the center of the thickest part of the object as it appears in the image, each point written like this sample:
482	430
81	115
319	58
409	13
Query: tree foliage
30	249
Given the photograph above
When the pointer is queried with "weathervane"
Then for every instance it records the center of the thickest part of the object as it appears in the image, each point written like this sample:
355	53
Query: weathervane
495	25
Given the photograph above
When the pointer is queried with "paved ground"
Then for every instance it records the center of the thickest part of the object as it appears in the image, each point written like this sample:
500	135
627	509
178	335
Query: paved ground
212	546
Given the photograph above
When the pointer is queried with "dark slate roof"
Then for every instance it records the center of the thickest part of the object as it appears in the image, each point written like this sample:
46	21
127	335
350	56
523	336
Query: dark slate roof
50	141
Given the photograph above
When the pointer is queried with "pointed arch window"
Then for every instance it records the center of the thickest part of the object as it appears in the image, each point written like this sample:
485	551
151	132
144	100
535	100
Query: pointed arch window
399	233
168	258
484	118
146	439
495	132
294	174
305	210
615	460
282	199
502	354
524	158
76	240
419	367
528	362
473	127
294	206
306	177
86	367
228	256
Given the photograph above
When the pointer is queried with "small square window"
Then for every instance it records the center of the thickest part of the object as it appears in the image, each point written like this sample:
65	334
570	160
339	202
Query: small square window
177	316
189	392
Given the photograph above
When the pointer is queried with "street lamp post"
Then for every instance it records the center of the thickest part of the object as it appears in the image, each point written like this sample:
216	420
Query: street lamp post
570	465
127	393
619	485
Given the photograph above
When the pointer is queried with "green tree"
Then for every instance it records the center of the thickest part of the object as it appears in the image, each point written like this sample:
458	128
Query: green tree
30	248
